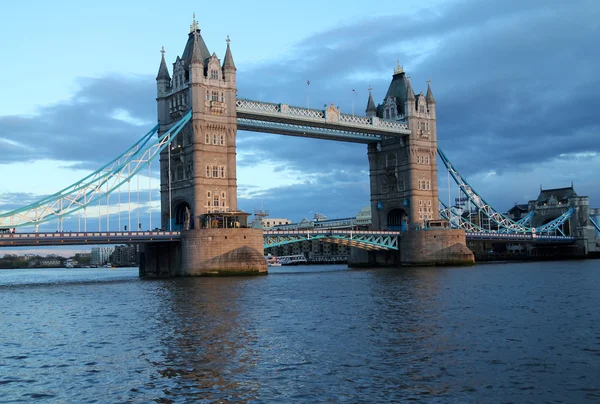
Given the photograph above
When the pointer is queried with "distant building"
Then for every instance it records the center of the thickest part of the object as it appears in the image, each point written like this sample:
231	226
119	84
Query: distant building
268	223
125	255
100	255
518	211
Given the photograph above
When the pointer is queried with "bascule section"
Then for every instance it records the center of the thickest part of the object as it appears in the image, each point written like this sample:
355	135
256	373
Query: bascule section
198	171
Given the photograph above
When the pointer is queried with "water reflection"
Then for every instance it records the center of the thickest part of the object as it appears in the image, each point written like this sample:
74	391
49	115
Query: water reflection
208	347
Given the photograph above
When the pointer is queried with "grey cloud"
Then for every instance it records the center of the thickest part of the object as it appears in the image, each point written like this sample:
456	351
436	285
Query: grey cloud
515	83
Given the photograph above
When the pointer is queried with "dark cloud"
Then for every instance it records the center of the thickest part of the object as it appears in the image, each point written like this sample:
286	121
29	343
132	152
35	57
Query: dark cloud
82	129
515	83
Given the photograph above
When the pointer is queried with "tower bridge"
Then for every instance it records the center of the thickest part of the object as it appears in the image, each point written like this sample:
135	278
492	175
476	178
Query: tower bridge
204	232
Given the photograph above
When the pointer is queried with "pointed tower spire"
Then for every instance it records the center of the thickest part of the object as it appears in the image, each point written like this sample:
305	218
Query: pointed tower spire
163	71
429	96
410	94
196	55
371	110
228	62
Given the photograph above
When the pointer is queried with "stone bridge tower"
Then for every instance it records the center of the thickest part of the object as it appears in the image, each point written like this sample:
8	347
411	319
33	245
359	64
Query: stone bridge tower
198	171
403	171
203	155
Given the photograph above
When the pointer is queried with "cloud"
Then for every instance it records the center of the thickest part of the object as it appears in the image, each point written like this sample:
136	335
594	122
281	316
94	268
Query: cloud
103	118
515	83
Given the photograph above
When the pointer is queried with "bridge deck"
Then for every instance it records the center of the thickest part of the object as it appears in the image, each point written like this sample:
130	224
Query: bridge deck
82	238
354	237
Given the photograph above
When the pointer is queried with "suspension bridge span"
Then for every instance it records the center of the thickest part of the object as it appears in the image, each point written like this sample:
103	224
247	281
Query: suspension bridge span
202	231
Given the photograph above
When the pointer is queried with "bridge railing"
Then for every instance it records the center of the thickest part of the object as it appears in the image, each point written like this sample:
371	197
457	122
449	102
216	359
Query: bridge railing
78	234
331	115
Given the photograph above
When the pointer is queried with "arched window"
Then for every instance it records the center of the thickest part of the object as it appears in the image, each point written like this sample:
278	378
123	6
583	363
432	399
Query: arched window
208	171
222	97
222	169
222	140
214	139
207	138
215	171
216	199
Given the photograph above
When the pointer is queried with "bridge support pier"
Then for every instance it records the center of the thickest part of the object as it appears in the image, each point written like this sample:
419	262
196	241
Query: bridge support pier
222	252
160	260
432	247
435	247
206	252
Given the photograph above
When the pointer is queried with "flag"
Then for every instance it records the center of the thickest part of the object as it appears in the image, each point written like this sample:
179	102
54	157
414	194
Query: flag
353	90
308	82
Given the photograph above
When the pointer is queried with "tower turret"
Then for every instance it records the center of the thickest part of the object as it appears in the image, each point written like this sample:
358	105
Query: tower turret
410	99
196	61
371	110
163	83
228	65
430	100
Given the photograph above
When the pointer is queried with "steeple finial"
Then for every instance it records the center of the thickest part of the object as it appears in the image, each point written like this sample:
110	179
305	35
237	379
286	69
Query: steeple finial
399	68
228	40
162	51
194	26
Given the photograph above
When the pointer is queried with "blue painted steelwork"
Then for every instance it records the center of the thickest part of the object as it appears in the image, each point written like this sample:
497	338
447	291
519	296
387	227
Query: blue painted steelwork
96	185
505	224
596	225
330	117
527	218
83	238
534	238
291	129
366	240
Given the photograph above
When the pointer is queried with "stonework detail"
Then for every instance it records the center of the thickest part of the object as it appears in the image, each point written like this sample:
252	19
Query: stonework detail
207	86
403	171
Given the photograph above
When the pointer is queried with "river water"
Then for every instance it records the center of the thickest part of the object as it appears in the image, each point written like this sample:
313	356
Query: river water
520	332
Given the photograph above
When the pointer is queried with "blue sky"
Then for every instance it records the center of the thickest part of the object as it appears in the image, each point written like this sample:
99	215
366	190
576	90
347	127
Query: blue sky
515	82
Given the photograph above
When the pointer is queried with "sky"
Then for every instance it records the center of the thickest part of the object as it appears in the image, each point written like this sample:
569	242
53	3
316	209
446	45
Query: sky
515	82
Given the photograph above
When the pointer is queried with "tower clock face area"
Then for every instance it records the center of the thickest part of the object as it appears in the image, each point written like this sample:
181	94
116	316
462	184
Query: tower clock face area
198	170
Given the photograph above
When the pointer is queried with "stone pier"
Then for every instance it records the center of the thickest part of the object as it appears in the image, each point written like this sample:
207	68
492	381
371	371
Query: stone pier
432	247
206	252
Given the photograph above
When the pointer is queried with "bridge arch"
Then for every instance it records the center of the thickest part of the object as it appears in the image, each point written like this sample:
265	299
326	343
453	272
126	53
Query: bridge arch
396	219
179	214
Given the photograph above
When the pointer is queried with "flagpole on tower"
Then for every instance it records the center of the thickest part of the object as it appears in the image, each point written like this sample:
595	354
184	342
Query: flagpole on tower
353	96
307	97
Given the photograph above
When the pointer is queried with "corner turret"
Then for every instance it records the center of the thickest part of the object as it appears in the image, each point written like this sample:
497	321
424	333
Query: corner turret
228	65
163	84
371	110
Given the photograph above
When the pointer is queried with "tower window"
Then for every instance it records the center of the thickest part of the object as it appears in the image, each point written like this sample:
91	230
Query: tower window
215	171
207	138
222	169
222	140
207	171
215	96
214	139
214	74
222	97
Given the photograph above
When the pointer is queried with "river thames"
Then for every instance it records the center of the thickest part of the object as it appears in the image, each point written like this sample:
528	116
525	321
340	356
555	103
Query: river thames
519	332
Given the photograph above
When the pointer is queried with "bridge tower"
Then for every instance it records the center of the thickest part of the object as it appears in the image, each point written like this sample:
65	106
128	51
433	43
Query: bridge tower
203	156
403	179
403	172
198	185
